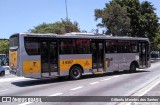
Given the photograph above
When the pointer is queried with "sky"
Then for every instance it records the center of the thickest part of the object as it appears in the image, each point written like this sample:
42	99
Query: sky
21	15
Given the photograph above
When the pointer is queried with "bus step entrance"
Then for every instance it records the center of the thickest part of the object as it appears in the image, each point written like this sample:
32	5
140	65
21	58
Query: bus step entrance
100	72
53	76
49	75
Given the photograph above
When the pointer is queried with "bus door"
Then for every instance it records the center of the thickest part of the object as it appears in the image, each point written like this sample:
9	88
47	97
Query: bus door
97	55
143	54
49	58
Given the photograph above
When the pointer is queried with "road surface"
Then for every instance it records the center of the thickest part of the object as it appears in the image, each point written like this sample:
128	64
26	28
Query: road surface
109	84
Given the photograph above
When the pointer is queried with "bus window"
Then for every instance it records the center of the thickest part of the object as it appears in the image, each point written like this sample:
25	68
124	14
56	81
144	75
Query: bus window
67	46
114	46
14	42
32	46
134	47
83	46
74	46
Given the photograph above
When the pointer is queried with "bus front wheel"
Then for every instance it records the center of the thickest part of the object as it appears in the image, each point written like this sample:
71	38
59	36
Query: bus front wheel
75	72
133	67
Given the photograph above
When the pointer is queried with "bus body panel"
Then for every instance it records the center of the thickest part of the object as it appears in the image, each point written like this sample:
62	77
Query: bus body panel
120	61
67	61
30	64
14	63
13	58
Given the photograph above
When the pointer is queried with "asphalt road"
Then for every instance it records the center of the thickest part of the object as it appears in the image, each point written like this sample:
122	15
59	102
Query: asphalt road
110	84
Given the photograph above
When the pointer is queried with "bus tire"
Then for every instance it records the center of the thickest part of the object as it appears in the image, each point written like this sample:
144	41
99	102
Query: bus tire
133	67
116	72
75	73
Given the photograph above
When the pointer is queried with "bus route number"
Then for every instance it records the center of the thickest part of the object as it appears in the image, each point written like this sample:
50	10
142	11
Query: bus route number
68	62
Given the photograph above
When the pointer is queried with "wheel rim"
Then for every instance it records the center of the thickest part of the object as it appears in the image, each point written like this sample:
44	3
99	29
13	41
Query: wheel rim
76	72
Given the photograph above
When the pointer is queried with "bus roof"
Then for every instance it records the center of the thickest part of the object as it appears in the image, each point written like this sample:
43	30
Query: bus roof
82	35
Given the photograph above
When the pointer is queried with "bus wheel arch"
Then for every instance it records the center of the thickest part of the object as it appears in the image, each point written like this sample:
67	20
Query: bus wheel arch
76	71
133	66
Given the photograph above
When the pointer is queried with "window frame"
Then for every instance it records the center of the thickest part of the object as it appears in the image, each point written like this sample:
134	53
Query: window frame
75	46
32	39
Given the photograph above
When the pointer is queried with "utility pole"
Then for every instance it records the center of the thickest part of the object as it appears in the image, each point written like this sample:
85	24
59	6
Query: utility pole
66	10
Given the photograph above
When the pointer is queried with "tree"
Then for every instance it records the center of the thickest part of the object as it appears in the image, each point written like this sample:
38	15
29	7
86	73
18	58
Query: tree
114	18
4	46
60	27
148	21
156	42
143	19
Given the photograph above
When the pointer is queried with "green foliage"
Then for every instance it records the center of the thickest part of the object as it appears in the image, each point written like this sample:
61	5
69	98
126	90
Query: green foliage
148	21
143	21
114	18
4	46
156	42
60	27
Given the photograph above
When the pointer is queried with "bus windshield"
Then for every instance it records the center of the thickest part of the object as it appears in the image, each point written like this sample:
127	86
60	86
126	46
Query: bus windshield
14	42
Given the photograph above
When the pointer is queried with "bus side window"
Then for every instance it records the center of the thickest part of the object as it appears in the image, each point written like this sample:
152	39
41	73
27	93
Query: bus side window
134	48
114	44
74	46
32	46
82	46
65	46
107	47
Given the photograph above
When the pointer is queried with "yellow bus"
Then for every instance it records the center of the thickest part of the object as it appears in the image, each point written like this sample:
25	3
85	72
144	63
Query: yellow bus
74	54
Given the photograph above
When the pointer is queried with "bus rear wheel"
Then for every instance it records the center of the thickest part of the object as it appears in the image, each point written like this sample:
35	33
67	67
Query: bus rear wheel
133	67
75	73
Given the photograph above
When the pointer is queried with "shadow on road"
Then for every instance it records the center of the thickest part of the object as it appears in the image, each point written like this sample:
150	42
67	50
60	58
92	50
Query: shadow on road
33	82
112	74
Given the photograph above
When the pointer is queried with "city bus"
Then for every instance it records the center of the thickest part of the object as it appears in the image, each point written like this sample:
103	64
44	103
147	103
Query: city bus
75	54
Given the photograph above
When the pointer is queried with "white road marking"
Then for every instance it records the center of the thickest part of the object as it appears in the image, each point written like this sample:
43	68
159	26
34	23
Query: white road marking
93	83
26	103
143	92
106	79
149	89
115	76
77	88
3	90
57	94
109	78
